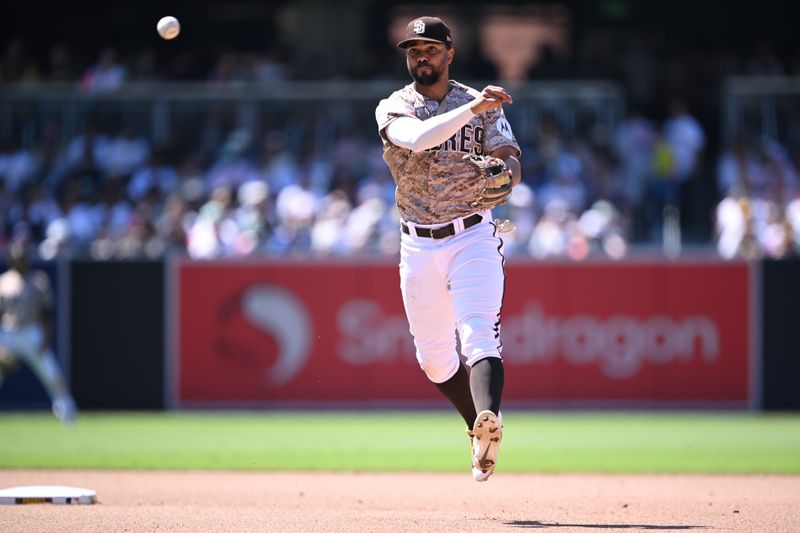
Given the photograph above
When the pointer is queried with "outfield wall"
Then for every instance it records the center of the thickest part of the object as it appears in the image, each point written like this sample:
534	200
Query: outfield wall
779	316
149	335
117	334
632	334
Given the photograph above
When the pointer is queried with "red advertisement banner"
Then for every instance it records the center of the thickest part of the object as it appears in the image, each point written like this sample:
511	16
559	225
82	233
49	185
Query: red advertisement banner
632	334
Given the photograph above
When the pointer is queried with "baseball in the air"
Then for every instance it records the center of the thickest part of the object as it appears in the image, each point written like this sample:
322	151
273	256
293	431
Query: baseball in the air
168	27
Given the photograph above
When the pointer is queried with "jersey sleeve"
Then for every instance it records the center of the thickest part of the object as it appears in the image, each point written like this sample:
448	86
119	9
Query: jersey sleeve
391	108
497	132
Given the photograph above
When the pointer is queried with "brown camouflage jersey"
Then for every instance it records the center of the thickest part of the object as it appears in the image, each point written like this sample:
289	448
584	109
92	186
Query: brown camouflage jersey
437	185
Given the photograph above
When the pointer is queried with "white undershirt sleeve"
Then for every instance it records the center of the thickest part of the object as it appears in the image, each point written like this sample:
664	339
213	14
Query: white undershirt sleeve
418	135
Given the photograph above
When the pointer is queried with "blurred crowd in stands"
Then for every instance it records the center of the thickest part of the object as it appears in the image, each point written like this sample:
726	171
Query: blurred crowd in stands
108	70
112	193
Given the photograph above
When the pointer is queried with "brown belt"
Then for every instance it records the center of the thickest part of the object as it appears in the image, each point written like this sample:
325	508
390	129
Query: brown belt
443	231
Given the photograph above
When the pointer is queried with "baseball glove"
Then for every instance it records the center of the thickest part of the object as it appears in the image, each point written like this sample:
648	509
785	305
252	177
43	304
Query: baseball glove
497	184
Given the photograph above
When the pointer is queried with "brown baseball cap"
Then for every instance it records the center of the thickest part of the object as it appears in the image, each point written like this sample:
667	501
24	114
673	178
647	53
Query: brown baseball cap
432	29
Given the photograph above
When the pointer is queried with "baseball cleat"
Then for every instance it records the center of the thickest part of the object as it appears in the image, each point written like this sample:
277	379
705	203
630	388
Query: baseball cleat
485	437
65	410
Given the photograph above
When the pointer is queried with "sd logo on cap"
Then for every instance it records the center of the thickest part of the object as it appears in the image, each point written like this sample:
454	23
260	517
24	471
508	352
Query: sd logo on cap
431	29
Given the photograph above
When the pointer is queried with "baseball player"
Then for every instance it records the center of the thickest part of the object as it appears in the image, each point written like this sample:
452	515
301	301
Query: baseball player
25	328
453	157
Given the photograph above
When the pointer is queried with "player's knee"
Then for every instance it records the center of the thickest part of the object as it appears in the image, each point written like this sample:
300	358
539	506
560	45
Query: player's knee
480	338
439	369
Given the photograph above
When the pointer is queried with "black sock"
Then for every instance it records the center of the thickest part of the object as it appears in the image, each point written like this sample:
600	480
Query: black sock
486	380
456	389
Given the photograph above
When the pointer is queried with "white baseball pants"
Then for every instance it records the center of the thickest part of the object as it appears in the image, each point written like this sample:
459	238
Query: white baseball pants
450	285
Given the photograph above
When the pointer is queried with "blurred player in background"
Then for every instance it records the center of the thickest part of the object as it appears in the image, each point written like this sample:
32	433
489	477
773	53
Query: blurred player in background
26	309
451	266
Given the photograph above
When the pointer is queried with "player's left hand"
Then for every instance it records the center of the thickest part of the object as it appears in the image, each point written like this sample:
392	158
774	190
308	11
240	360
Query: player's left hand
497	182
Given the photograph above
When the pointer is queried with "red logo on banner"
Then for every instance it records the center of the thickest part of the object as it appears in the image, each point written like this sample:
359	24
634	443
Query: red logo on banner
257	316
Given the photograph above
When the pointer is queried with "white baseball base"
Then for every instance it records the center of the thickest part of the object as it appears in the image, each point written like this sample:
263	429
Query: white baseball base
47	494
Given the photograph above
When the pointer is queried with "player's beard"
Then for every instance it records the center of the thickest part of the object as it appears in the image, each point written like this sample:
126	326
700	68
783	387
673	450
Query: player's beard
426	79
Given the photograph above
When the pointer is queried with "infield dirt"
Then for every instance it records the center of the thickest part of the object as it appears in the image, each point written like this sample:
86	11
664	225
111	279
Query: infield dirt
247	501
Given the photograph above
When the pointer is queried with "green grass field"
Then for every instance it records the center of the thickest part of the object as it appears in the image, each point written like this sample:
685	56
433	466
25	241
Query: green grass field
654	442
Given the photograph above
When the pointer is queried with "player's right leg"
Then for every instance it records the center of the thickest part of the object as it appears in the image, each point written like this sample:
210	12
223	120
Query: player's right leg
487	379
432	324
477	285
8	361
5	360
49	372
47	369
485	437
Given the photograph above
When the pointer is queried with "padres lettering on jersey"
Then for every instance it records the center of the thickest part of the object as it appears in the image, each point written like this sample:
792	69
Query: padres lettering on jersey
437	185
469	140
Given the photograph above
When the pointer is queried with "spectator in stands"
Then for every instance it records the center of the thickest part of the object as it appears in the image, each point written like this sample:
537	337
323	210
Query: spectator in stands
83	216
124	153
328	230
17	65
156	174
139	240
233	165
106	74
295	208
762	61
793	222
781	175
731	226
278	166
252	218
173	224
213	230
360	232
565	185
18	166
739	170
634	145
549	141
42	210
377	182
61	64
144	66
229	69
268	67
79	158
755	216
686	140
552	231
116	208
6	201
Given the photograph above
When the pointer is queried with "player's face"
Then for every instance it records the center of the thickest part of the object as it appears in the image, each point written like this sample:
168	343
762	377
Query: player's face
427	62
